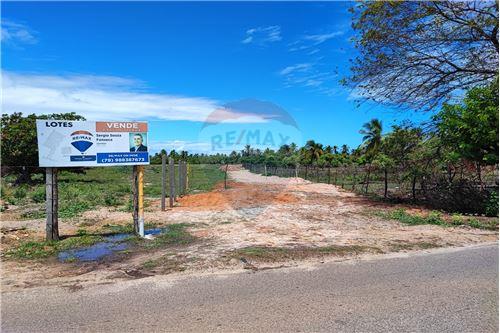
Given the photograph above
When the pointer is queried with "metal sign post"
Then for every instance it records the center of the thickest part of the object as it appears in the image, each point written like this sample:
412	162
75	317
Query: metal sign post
140	184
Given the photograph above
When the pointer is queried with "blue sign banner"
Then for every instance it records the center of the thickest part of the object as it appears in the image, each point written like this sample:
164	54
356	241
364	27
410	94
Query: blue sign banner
136	157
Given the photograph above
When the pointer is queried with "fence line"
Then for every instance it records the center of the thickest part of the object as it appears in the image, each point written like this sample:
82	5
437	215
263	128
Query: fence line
436	189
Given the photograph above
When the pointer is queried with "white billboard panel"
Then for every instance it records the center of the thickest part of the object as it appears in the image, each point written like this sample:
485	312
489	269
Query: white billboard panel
66	143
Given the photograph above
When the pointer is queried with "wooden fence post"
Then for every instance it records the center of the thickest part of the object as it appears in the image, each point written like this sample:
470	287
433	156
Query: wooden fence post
184	177
179	186
329	175
354	178
163	180
171	181
188	171
51	194
225	177
343	177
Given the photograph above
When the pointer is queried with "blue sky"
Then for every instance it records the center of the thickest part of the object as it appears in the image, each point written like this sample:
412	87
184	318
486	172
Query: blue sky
174	64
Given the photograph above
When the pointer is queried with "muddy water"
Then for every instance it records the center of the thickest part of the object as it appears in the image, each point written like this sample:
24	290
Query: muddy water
110	245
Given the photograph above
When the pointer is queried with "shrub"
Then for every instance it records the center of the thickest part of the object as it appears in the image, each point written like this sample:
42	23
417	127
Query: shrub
20	192
111	200
492	204
434	218
474	223
38	195
457	219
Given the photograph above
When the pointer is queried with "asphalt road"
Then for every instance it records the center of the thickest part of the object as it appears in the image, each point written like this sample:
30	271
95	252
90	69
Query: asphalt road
451	291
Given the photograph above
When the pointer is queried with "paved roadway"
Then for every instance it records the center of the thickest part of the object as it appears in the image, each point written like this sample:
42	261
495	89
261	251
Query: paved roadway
445	291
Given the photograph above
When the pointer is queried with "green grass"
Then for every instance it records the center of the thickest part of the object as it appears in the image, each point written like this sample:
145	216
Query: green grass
44	249
123	229
402	216
176	235
99	187
271	254
436	218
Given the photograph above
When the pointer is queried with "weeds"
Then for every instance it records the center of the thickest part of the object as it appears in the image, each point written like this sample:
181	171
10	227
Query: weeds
436	218
98	187
44	249
176	234
270	254
396	247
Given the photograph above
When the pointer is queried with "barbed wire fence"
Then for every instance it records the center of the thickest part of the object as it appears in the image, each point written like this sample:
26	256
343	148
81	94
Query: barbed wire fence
457	189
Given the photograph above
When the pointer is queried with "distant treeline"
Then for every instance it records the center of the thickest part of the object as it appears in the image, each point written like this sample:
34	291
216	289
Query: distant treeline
462	135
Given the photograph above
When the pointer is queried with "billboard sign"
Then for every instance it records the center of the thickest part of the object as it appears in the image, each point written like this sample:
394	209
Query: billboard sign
67	143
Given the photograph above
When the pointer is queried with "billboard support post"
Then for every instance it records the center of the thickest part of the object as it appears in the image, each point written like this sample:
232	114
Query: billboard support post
140	184
51	197
138	193
135	199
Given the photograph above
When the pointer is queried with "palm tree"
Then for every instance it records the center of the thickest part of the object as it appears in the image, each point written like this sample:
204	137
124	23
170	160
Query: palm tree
315	150
345	150
372	139
335	150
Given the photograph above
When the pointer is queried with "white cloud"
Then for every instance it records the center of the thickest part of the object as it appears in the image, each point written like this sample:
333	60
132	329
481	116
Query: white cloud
263	35
190	146
321	38
102	98
16	33
313	41
295	68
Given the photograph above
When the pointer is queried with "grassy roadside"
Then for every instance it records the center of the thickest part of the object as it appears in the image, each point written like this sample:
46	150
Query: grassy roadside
97	187
278	254
175	235
437	218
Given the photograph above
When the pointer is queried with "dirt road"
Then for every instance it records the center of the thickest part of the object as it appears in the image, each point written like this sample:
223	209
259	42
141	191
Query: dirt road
299	221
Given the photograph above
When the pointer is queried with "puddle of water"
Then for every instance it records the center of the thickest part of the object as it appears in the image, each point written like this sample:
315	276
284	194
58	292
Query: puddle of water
111	244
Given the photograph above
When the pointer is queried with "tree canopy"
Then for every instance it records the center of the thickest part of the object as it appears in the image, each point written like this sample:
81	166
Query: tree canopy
19	144
418	54
470	128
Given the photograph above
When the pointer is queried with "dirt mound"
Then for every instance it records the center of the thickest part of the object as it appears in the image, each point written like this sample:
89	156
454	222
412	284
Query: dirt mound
238	195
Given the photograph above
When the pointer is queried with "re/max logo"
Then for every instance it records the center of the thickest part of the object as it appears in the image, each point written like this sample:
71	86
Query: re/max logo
58	124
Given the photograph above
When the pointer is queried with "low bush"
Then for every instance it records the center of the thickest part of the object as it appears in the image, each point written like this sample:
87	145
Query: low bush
492	204
38	195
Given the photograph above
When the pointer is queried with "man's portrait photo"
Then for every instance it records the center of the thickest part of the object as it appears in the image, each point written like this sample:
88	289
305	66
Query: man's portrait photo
138	142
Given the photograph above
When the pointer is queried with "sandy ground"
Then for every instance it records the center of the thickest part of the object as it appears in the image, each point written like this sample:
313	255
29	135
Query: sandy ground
253	211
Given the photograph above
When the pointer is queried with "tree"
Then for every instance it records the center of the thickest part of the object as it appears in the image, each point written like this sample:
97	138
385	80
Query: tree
385	163
418	53
345	150
314	149
471	128
19	143
372	137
